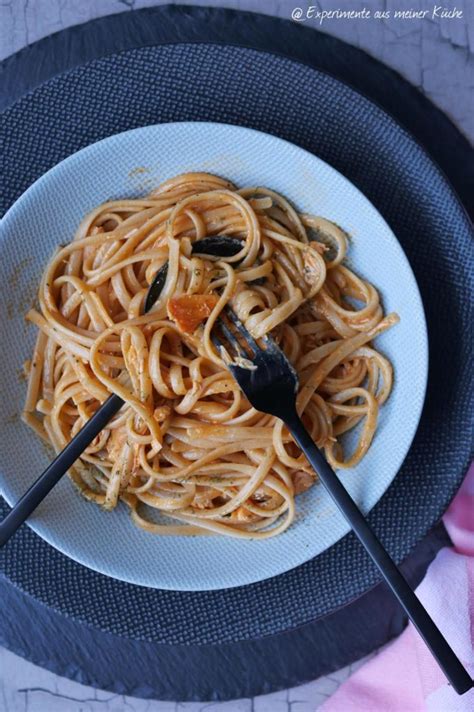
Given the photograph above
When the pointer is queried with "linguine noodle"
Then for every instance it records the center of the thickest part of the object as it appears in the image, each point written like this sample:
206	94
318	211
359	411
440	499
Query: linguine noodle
187	443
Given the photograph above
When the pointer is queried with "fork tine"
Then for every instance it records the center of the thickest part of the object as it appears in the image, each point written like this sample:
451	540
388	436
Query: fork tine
218	344
231	338
271	344
245	333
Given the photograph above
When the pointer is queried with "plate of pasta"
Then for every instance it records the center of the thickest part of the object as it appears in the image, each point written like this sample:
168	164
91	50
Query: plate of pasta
188	487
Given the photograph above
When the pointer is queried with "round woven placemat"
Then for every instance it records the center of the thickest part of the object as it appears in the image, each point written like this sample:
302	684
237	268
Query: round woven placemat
151	85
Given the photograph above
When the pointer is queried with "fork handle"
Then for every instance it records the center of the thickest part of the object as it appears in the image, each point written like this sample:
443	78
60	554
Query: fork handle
60	465
447	660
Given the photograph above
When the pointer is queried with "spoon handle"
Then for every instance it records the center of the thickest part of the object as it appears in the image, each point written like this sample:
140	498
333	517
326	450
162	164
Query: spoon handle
216	246
60	465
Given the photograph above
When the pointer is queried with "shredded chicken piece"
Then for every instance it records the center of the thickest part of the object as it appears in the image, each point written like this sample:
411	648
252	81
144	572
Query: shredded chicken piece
302	481
204	500
116	443
244	363
189	310
260	495
319	247
241	514
161	413
312	265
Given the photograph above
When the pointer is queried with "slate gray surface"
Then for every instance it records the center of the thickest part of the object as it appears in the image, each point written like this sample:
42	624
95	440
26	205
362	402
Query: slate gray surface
436	55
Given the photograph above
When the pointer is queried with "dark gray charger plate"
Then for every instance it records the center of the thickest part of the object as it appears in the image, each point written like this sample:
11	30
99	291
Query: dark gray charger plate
264	91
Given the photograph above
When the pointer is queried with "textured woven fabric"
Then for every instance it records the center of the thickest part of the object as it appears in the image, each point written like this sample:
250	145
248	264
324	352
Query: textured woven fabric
447	592
199	82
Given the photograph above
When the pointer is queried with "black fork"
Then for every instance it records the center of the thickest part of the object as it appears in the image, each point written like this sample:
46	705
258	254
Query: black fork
270	384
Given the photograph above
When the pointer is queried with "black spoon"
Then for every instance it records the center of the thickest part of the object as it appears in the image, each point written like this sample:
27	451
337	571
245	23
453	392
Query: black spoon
219	246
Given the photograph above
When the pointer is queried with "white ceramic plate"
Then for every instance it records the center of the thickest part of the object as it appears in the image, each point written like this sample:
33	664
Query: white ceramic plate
131	164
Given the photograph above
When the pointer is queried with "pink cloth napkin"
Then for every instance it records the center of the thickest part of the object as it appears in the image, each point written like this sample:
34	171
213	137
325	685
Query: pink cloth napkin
403	677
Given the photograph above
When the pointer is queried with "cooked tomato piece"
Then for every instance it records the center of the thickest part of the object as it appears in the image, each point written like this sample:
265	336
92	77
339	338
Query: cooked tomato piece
189	310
